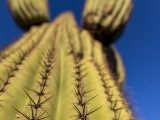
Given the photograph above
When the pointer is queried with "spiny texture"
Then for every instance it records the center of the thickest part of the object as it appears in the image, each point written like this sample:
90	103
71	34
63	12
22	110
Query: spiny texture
57	71
60	74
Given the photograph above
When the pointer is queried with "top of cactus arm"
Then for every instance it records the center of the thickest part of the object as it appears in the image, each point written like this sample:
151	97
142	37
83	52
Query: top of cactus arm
106	19
28	13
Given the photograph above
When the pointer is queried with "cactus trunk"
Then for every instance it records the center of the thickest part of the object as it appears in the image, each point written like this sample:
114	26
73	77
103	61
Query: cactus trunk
57	71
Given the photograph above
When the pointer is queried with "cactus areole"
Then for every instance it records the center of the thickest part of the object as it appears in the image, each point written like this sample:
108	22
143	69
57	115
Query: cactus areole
57	71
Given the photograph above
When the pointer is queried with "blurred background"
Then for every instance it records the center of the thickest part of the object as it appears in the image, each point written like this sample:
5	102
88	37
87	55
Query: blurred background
139	48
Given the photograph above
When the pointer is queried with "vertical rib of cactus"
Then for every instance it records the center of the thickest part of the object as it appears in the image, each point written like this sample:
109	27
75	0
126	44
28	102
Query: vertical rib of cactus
28	13
113	104
26	78
19	53
41	51
16	57
61	106
41	92
18	44
117	102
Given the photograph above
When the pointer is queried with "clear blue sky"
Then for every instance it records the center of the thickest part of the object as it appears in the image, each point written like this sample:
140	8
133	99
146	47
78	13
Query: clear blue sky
139	47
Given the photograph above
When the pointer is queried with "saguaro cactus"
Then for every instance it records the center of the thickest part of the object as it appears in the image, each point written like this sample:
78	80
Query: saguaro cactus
57	71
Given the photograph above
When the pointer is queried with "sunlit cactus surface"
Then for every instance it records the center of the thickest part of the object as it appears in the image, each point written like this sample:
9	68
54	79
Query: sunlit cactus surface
58	71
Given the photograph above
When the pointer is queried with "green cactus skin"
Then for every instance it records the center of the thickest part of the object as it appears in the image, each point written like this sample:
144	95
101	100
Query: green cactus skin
61	73
106	19
27	13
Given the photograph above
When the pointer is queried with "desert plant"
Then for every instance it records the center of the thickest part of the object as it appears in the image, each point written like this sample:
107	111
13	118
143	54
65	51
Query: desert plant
57	71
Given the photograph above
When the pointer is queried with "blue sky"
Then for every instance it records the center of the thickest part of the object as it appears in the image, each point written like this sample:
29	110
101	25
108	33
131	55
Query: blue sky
139	48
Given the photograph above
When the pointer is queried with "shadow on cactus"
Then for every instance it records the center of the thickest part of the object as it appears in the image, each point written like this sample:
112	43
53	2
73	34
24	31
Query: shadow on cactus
57	71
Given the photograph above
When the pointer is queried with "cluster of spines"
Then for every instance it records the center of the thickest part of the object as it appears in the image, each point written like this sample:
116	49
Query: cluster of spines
16	65
37	106
80	93
112	98
15	68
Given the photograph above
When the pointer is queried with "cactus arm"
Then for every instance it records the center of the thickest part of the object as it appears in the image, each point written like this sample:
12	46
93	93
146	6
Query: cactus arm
106	19
27	13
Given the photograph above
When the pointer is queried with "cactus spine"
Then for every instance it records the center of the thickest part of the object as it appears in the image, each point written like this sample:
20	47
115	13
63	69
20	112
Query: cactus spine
57	71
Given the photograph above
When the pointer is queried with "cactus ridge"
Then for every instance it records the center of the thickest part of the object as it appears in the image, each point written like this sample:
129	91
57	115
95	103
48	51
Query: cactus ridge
109	96
6	53
81	105
117	102
80	93
38	109
16	65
